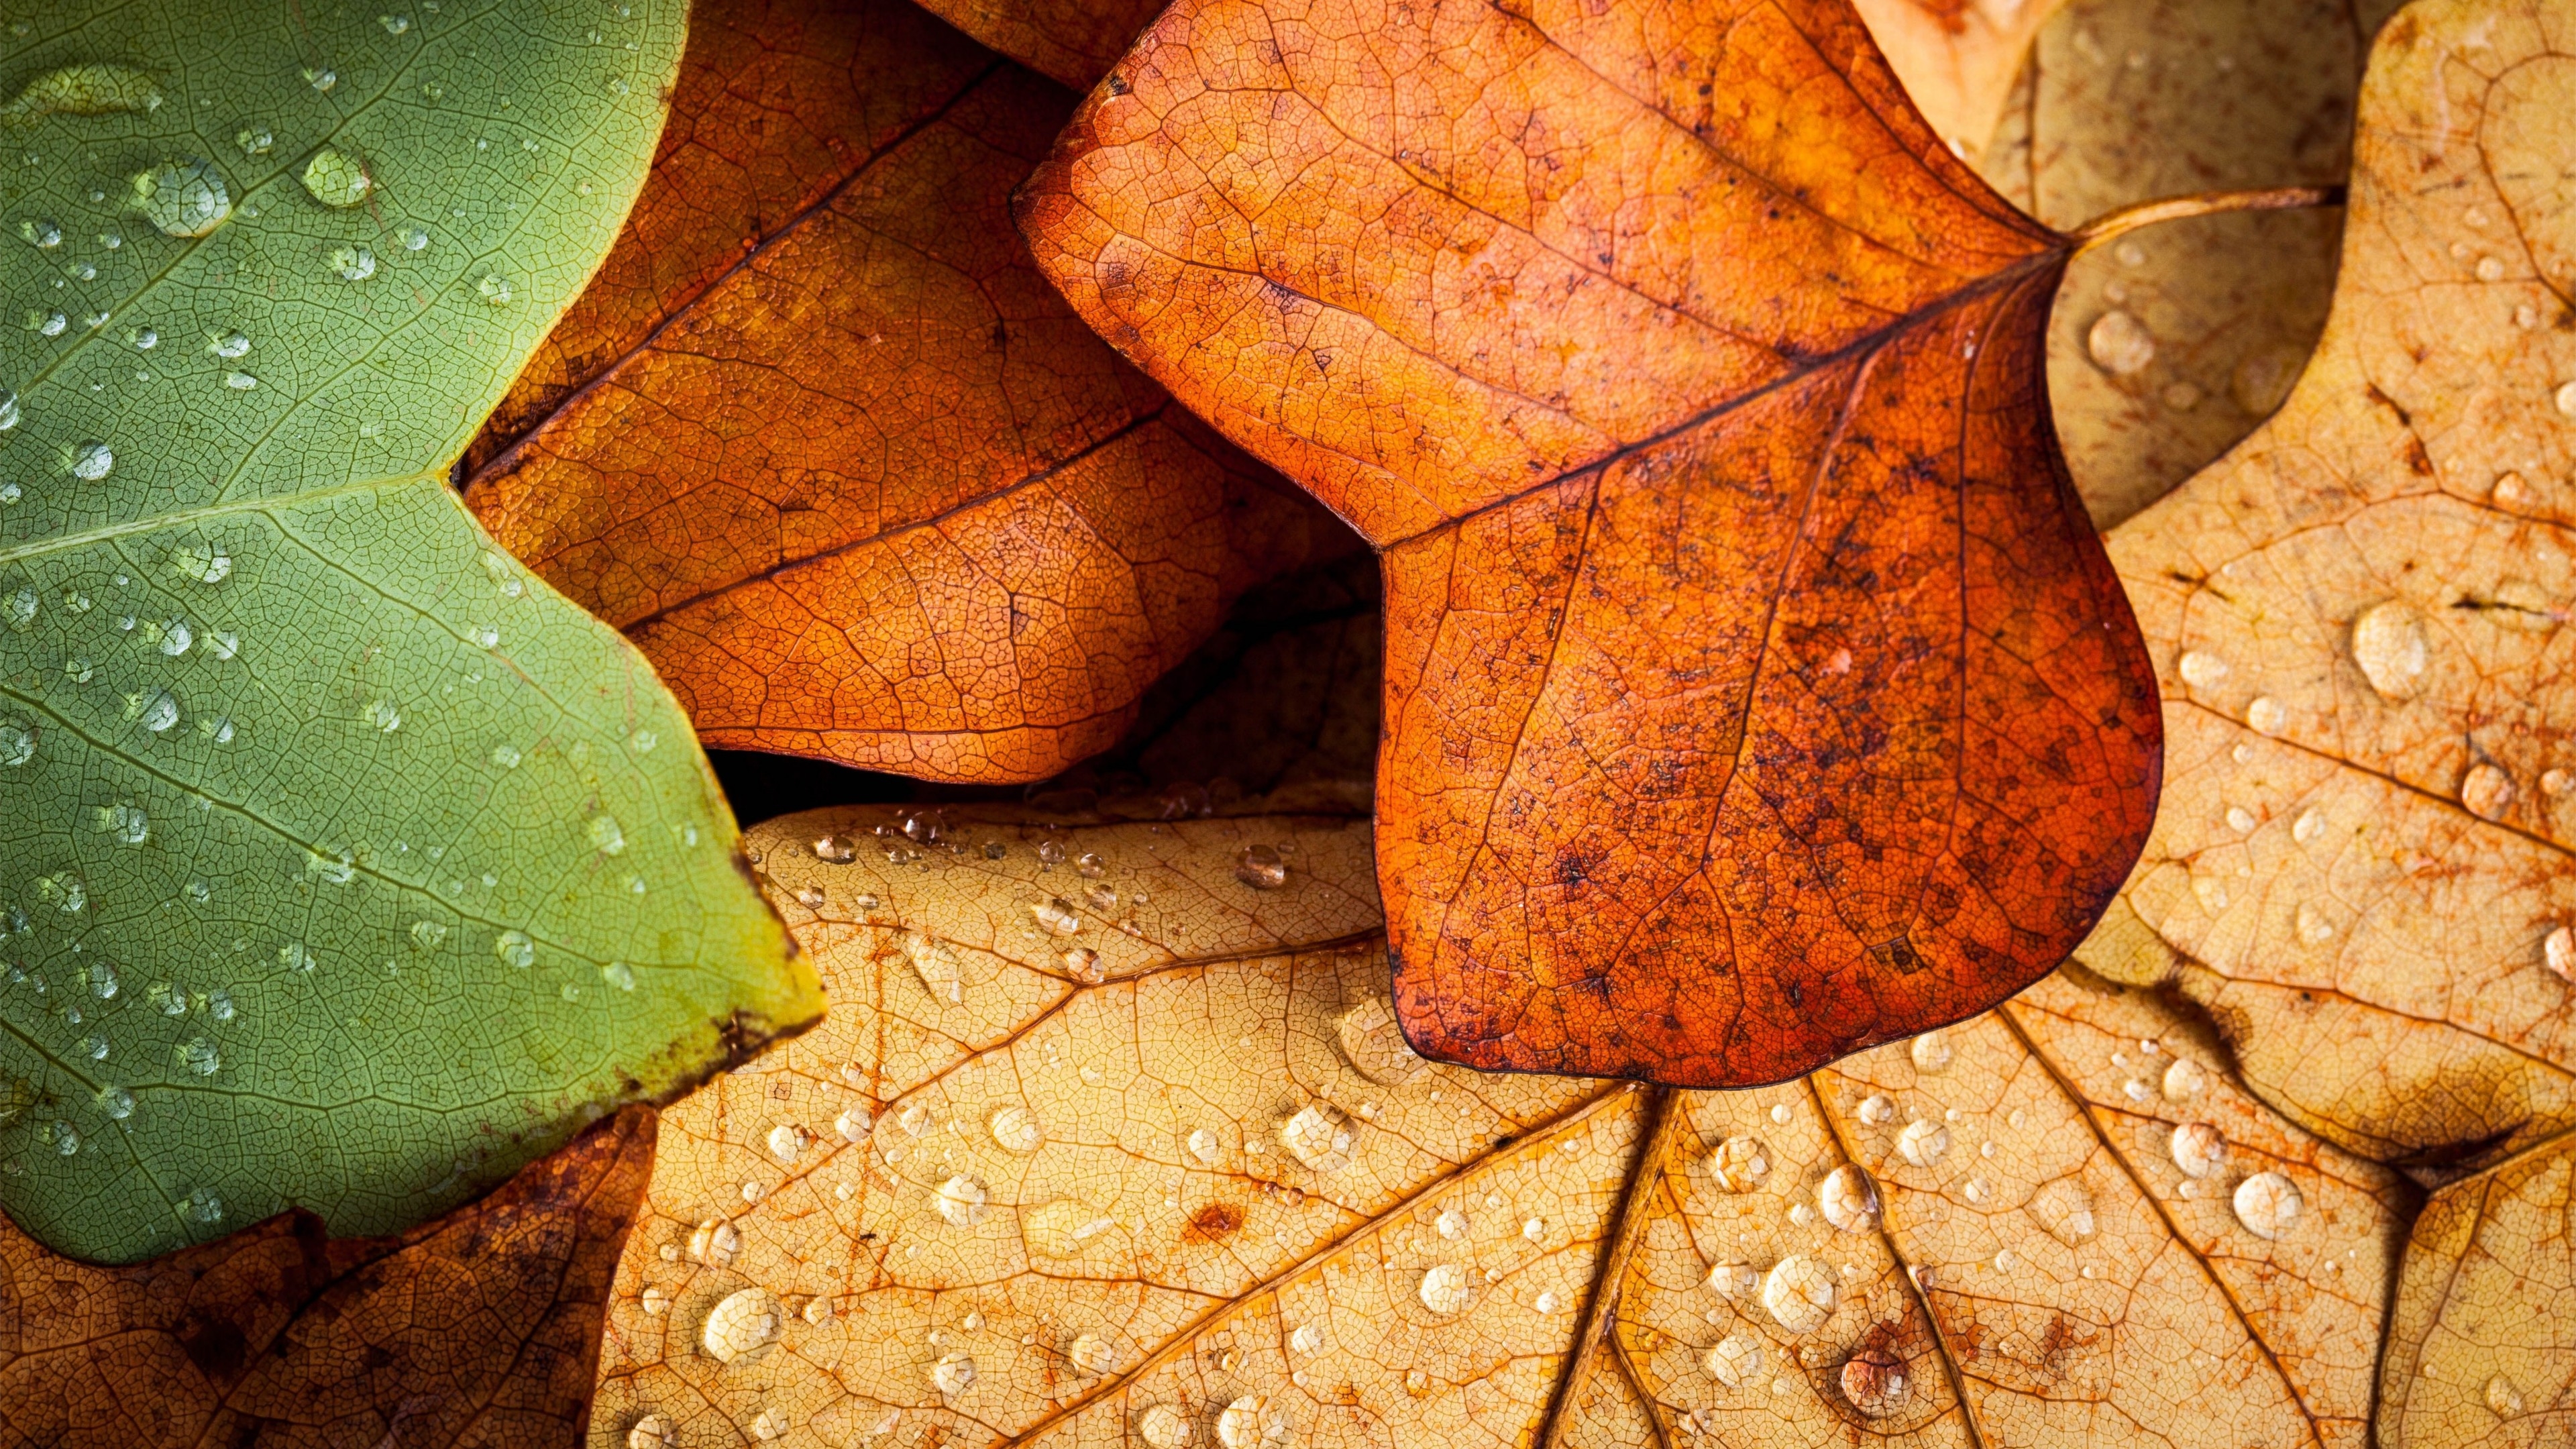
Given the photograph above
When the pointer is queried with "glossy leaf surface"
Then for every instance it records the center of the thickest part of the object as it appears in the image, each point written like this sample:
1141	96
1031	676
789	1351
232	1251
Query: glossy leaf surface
1756	689
834	455
343	864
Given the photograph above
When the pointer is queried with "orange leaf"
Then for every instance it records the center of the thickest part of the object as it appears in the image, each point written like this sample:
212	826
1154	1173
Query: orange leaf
1076	41
1756	689
480	1328
825	445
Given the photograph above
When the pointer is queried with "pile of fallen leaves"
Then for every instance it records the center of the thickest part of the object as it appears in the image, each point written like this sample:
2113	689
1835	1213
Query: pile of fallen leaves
1937	820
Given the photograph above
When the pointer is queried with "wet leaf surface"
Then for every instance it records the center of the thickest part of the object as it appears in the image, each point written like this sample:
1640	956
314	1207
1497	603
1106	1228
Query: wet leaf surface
2357	617
1192	1190
479	1329
828	448
342	864
1690	389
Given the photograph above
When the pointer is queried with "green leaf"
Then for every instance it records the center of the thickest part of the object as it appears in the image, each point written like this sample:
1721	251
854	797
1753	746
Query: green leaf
342	863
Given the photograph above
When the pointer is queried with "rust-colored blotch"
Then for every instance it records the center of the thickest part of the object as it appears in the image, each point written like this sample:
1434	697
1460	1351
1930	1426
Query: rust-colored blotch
1756	687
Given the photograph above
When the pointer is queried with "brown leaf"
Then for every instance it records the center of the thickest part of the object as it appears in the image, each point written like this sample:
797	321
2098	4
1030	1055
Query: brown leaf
1754	689
2357	618
481	1328
1960	61
1192	1190
1075	41
822	442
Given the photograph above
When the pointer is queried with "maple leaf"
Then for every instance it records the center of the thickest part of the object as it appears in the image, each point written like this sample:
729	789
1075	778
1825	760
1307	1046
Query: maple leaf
1756	689
480	1328
828	449
1110	1135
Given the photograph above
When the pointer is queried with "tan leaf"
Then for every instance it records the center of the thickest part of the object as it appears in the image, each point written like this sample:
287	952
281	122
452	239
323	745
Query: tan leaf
2128	101
2478	1350
2361	862
1959	59
1193	1191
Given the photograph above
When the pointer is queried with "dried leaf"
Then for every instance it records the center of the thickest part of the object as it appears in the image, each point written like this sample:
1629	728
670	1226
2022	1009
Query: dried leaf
2478	1350
1192	1190
2169	346
480	1328
1075	41
824	444
1691	391
2357	616
1960	61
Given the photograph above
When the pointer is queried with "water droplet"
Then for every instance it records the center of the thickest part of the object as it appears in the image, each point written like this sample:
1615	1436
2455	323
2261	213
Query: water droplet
1739	1164
47	324
1875	1383
2486	790
1799	1293
321	78
936	963
17	742
742	1322
240	381
2265	716
116	1102
788	1140
2268	1204
854	1124
1875	1109
1164	1427
836	849
653	1431
2198	1149
1260	867
2565	397
1056	916
337	178
10	416
2201	670
2389	643
202	562
1849	1199
1735	1361
176	636
715	1244
2120	344
619	975
184	198
41	232
2065	1210
1092	1353
199	1055
515	949
1059	1228
1083	964
1451	1224
1016	1129
92	89
2503	1399
394	24
1318	1136
961	1200
953	1374
914	1119
1089	865
353	264
1922	1143
1374	1044
92	461
160	711
1307	1338
1446	1288
1931	1053
606	836
493	290
94	1047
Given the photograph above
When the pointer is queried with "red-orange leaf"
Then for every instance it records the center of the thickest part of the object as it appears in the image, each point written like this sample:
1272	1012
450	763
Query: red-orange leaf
1075	41
481	1328
822	441
1756	689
